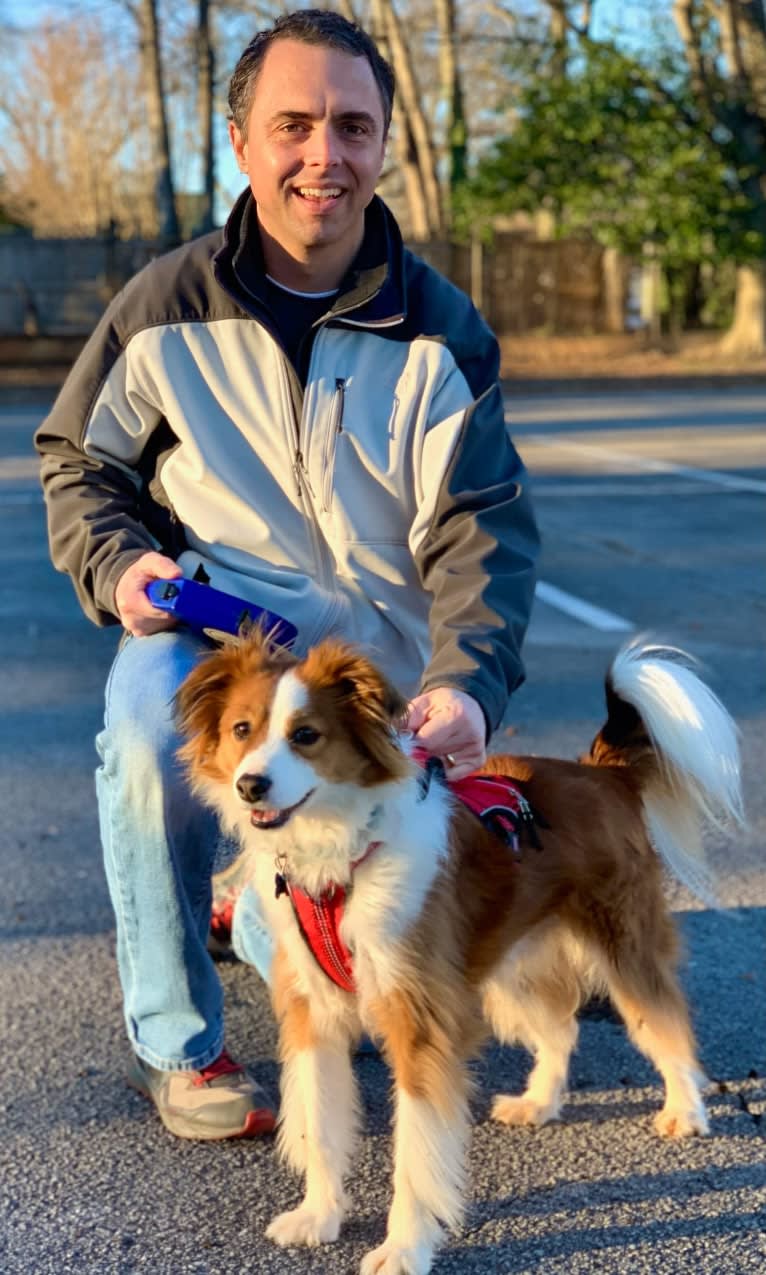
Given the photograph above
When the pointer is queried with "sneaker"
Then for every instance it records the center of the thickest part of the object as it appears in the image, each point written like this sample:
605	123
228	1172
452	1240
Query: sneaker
221	922
227	887
220	1101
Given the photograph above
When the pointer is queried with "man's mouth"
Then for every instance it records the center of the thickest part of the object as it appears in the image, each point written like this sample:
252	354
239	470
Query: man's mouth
272	817
319	196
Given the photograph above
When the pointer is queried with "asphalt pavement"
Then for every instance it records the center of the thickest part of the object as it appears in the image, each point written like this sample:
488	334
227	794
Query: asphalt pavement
653	508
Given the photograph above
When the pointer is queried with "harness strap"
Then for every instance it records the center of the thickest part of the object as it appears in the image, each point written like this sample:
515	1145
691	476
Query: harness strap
319	921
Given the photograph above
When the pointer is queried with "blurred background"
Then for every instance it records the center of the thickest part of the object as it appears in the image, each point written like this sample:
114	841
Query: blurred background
593	174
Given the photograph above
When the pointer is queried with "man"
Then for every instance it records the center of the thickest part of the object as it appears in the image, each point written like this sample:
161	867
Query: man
302	413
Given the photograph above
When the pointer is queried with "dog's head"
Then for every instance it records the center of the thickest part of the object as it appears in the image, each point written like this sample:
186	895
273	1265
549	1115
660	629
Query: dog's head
282	733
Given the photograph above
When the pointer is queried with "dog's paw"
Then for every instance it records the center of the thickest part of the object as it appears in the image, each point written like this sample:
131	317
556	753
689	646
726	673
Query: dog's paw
518	1109
394	1258
302	1226
673	1122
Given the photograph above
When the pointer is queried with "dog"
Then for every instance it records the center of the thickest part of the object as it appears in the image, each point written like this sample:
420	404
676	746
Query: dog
451	926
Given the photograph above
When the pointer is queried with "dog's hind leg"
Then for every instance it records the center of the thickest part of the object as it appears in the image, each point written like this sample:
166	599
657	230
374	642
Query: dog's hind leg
657	1020
533	1005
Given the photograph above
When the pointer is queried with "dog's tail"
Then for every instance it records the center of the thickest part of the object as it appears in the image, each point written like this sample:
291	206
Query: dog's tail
663	720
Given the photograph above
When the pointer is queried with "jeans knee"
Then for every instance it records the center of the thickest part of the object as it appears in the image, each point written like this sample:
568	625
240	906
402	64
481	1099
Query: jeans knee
144	679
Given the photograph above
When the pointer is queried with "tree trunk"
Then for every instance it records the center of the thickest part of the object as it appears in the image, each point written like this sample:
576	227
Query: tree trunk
746	337
613	283
205	77
149	42
404	141
452	97
410	98
558	33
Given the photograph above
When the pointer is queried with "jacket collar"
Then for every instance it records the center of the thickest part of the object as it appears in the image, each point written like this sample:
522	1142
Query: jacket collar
372	293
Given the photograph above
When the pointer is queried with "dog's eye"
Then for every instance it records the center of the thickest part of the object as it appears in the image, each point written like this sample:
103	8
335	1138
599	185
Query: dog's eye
240	730
304	735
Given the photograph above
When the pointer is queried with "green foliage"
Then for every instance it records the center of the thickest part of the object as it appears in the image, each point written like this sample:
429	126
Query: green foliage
621	153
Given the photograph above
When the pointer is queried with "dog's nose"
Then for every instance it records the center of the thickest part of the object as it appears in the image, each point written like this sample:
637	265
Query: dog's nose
253	787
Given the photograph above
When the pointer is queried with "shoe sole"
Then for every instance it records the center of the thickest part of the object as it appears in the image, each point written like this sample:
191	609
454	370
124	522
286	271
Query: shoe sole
258	1123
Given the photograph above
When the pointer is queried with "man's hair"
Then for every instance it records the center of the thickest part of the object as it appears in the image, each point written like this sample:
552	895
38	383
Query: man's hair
310	26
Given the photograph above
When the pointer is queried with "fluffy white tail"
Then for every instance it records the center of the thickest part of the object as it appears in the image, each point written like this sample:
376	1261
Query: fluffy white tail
695	742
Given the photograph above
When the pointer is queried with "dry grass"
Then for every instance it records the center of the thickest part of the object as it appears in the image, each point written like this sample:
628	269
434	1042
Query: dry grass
534	356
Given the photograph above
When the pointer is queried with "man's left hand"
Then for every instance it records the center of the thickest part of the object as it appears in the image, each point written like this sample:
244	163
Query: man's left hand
450	725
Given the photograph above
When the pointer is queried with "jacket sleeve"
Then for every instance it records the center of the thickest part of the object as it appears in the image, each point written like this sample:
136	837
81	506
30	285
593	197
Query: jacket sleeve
476	552
94	447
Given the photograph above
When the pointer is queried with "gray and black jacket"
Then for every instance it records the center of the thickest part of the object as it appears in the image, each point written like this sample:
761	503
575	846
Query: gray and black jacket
384	501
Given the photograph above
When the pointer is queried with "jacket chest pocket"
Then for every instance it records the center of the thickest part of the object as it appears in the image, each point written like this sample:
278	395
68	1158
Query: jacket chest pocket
334	431
360	463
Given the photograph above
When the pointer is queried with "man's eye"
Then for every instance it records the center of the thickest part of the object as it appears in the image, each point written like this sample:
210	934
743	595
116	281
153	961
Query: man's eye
240	730
304	735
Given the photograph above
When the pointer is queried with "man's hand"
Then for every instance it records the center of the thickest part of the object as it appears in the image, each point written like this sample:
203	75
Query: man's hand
451	725
134	608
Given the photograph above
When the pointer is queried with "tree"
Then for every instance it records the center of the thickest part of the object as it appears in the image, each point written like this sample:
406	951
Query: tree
205	62
169	233
71	150
725	46
452	96
622	154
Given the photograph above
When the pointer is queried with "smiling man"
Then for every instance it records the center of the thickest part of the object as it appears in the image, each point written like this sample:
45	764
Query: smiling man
309	129
302	413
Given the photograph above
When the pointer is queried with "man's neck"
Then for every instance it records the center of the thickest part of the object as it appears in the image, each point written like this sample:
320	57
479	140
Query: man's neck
317	271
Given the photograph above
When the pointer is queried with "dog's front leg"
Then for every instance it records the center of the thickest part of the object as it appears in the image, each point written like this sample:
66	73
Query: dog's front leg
430	1139
318	1122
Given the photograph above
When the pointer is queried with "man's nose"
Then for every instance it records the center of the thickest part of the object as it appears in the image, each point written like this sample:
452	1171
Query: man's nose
323	146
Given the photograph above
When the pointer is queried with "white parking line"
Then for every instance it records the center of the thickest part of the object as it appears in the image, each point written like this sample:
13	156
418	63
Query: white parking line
613	490
733	481
14	467
579	609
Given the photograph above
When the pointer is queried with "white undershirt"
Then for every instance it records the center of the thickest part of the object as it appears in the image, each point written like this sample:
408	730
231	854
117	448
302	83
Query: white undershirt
307	296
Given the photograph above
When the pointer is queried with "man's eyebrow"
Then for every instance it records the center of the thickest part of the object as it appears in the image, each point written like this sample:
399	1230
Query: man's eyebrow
353	117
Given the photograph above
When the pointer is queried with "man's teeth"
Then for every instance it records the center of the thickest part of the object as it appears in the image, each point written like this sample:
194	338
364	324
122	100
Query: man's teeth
312	192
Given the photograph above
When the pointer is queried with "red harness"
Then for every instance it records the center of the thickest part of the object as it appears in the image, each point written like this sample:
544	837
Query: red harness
493	798
320	920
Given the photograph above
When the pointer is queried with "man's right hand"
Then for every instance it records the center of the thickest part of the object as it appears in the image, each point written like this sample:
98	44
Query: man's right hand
135	610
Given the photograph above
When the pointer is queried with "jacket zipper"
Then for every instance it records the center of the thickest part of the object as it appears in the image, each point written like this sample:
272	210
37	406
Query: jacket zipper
335	429
325	573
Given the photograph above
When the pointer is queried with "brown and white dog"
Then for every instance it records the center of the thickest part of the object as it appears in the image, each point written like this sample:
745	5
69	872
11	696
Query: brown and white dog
454	934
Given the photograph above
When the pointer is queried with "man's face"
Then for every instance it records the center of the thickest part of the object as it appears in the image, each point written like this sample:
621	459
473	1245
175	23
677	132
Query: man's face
314	147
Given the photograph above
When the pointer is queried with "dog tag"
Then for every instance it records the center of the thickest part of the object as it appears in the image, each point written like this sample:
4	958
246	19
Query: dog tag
280	885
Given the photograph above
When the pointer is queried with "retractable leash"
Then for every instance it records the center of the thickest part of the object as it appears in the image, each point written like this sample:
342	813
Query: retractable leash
215	614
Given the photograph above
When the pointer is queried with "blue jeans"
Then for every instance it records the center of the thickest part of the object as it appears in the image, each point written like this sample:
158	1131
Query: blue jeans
160	848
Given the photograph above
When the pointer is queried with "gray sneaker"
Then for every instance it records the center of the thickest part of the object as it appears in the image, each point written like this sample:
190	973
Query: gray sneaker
220	1101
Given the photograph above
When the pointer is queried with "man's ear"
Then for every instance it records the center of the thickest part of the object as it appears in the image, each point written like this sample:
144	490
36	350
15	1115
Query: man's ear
239	146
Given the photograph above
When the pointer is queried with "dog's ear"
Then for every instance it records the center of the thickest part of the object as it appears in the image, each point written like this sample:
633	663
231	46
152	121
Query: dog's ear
340	667
375	708
199	703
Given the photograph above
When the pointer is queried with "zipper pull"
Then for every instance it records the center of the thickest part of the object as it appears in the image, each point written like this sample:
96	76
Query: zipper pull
301	472
340	392
297	476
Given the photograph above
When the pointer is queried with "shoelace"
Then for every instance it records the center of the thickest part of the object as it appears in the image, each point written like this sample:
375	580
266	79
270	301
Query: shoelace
223	1066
